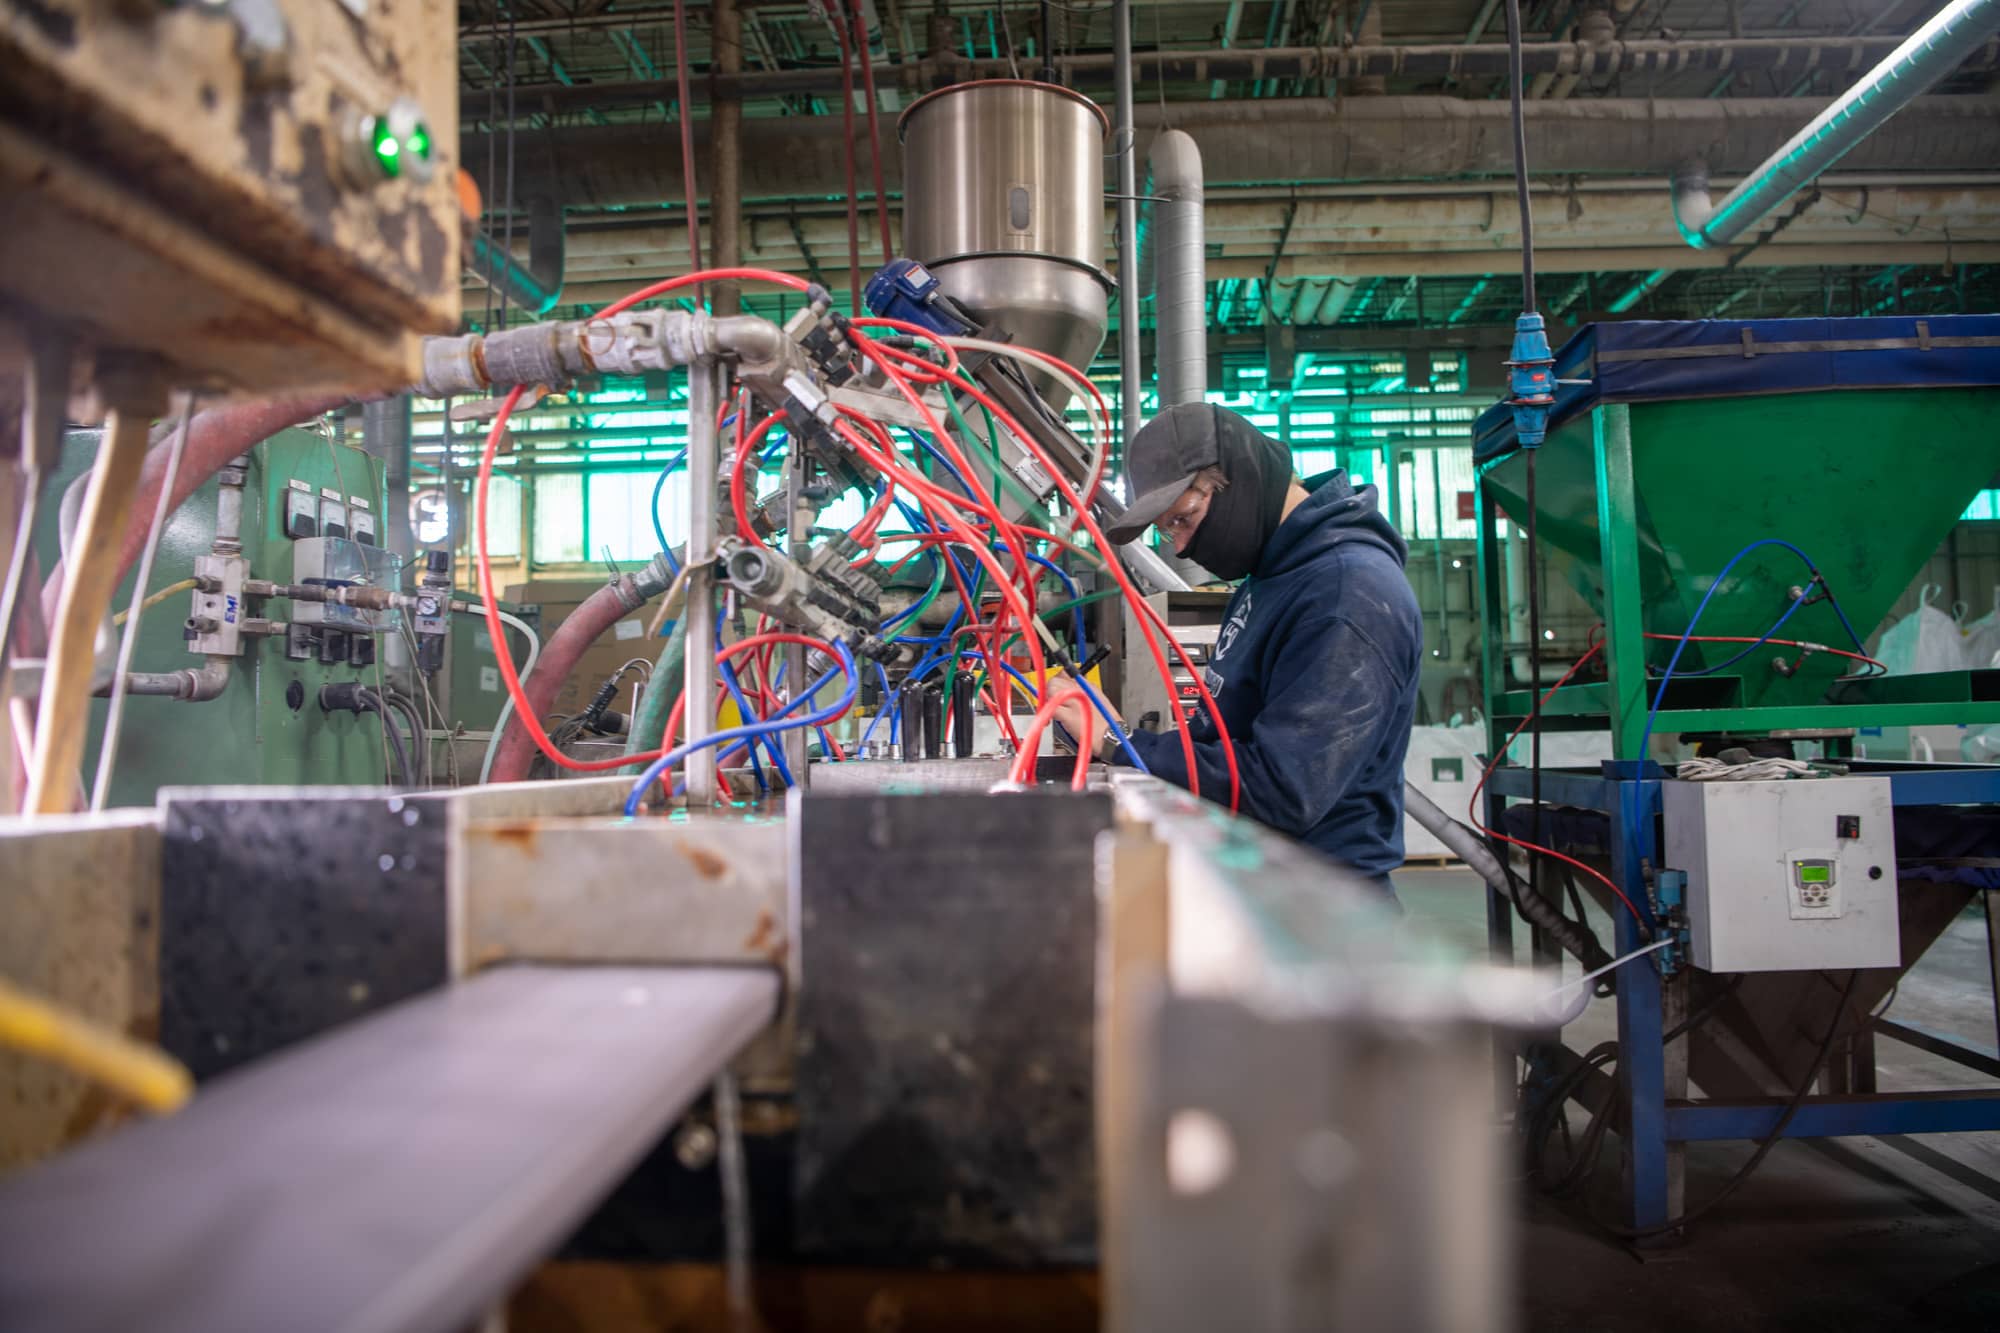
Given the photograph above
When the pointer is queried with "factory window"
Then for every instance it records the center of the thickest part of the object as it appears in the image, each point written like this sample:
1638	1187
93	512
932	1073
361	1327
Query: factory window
559	523
503	518
1985	505
1427	485
617	526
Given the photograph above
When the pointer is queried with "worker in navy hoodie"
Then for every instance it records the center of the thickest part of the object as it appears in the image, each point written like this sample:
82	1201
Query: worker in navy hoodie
1316	662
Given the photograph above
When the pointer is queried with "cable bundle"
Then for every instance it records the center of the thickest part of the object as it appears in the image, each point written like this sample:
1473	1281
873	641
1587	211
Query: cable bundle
971	544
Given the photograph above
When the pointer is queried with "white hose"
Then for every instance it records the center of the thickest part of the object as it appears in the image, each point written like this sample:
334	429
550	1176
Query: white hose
107	753
1582	985
507	709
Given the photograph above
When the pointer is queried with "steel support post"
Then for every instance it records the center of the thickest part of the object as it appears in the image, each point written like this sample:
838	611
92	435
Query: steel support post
796	738
1640	1030
703	396
1500	947
1125	146
1993	955
726	202
1618	544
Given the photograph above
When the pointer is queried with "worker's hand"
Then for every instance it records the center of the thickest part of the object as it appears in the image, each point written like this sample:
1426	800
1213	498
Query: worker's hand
1071	713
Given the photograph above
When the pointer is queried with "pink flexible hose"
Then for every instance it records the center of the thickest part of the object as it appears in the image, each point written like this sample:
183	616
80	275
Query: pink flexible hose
560	654
216	436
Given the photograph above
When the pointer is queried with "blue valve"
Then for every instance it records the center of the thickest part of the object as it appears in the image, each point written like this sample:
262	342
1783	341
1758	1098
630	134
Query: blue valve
1531	383
906	290
1670	908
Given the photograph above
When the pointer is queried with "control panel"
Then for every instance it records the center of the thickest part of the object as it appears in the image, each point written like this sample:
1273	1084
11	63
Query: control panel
1786	875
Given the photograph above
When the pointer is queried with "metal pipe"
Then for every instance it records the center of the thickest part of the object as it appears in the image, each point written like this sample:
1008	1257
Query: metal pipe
1926	56
538	287
726	201
1456	60
191	685
1126	147
385	434
1181	289
703	395
1306	142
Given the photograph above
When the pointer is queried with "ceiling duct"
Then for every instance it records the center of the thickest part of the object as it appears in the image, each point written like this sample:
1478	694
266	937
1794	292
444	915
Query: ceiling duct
1178	250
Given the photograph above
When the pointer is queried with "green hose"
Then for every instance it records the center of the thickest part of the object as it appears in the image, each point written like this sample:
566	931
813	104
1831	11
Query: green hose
656	701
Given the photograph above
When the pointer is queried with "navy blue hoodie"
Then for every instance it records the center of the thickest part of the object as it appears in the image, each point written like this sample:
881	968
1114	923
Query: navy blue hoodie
1315	671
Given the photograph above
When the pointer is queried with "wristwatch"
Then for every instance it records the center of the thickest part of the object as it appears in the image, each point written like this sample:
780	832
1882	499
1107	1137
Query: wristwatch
1107	747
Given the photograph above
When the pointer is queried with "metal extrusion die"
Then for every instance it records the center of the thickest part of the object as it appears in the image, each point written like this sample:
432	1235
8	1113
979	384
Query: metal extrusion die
1120	953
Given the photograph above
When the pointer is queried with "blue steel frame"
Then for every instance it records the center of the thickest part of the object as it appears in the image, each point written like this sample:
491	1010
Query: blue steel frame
1654	1122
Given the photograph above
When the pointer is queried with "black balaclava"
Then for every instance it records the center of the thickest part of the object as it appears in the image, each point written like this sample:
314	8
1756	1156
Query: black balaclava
1244	515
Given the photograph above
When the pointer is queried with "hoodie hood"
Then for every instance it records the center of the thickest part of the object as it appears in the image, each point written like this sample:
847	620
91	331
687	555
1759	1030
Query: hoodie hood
1333	512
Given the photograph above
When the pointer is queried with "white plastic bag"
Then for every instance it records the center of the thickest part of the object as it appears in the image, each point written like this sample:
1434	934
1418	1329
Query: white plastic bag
1927	639
1442	763
1982	638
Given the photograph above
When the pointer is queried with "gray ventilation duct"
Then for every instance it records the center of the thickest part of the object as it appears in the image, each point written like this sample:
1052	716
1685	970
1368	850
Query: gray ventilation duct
1173	240
537	288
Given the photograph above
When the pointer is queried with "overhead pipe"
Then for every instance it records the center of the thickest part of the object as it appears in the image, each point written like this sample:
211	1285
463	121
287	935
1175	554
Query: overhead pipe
1927	55
1307	142
537	288
1180	309
1450	60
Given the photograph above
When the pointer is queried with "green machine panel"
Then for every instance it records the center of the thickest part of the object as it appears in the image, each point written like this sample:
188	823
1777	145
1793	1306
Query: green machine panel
1674	447
1866	482
267	726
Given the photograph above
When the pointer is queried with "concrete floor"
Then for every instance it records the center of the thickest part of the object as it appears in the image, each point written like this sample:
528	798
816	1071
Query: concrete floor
1834	1234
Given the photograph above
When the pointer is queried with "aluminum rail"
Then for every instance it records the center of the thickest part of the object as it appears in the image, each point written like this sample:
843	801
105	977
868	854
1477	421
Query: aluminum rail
1959	31
398	1175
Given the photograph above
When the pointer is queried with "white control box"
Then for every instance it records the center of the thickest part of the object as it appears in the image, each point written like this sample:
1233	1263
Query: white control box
1786	876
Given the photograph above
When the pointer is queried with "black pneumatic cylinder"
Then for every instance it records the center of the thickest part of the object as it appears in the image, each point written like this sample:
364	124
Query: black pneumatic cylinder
961	717
913	722
933	723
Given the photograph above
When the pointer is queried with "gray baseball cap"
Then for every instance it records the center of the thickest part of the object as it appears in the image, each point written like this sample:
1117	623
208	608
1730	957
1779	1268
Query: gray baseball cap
1162	461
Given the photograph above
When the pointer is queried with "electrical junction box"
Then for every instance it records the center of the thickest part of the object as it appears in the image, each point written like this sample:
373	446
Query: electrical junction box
1788	875
338	560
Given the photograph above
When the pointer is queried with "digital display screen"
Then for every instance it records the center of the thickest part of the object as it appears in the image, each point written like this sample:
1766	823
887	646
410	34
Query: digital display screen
1815	874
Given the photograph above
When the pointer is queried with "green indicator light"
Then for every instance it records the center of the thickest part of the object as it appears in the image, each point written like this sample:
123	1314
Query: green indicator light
387	150
419	142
